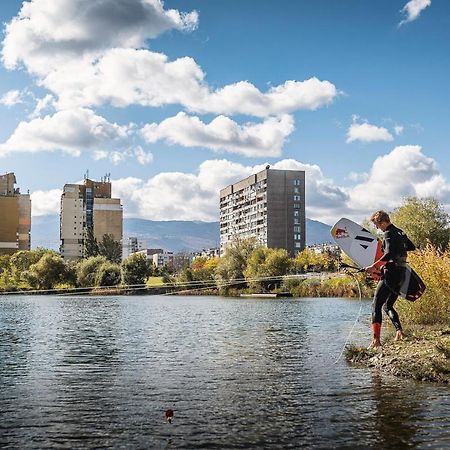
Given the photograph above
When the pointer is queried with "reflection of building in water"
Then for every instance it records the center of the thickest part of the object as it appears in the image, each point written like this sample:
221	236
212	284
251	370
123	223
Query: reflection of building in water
268	206
88	208
15	216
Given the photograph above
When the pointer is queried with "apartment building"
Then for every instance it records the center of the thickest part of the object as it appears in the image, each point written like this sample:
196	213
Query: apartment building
268	206
132	245
15	216
88	207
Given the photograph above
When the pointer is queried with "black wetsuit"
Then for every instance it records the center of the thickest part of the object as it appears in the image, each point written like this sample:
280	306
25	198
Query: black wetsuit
395	247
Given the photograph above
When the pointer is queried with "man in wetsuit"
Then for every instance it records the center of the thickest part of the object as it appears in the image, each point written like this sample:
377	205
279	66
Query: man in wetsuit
395	247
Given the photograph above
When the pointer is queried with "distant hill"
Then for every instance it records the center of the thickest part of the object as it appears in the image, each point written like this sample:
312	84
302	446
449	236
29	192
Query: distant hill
174	235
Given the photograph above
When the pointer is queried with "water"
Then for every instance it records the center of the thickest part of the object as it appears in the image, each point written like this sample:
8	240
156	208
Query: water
239	373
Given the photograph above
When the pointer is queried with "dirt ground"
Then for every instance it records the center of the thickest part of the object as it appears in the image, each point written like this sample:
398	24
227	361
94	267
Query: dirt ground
424	355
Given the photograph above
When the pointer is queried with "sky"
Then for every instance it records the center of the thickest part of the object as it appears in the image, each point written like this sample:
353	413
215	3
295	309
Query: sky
178	99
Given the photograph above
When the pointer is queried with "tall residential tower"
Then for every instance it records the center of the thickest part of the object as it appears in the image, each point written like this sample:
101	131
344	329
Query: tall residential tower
15	216
269	206
88	207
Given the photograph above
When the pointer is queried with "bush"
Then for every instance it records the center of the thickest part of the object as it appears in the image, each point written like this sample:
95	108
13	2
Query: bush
87	270
433	266
108	274
136	269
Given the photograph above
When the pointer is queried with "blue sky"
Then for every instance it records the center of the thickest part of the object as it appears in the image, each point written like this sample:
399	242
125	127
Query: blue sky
178	99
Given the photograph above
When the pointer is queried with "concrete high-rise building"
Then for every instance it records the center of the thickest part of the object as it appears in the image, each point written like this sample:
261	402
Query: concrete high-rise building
268	206
15	216
85	207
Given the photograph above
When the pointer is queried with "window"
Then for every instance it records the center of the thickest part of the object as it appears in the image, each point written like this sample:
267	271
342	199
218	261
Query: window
296	182
296	205
298	245
296	198
296	213
297	190
297	229
297	237
297	221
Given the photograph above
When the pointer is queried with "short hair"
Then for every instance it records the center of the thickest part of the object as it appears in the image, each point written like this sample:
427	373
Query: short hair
380	216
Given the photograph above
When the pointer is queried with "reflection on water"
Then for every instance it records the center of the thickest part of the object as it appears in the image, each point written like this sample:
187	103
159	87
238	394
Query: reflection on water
100	372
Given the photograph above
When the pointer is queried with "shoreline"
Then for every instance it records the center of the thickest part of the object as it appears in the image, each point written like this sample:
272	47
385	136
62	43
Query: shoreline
424	355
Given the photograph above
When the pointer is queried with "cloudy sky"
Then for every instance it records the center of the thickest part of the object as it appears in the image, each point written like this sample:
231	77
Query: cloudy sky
179	99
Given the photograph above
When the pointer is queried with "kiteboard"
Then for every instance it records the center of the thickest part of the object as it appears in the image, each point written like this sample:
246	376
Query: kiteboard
364	249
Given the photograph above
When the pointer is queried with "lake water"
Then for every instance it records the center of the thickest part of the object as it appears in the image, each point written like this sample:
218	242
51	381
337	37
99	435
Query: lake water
238	373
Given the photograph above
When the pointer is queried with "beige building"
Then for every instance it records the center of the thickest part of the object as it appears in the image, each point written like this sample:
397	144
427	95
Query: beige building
268	206
15	216
85	206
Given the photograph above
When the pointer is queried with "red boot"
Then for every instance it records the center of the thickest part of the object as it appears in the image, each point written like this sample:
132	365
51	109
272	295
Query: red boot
376	333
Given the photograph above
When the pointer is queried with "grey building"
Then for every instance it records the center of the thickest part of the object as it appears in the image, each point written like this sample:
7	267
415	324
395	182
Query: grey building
270	206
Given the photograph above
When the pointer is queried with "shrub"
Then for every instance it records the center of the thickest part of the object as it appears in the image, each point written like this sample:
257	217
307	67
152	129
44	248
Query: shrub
433	266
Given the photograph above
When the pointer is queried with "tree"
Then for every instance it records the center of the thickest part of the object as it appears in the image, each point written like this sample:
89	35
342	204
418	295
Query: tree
267	263
87	270
110	248
47	272
136	269
232	265
425	221
90	247
108	274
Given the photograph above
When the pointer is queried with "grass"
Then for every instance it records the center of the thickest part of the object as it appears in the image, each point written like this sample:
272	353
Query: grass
155	281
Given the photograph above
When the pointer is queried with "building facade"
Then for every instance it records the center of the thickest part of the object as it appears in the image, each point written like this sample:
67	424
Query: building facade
132	245
268	206
88	208
15	216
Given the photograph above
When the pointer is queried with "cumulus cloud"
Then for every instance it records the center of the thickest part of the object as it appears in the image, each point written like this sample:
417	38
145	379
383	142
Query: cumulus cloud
45	202
48	33
413	9
365	132
70	131
12	98
123	77
223	134
195	196
403	172
93	53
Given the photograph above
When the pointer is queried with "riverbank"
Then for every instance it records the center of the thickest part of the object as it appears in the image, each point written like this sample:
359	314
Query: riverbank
424	355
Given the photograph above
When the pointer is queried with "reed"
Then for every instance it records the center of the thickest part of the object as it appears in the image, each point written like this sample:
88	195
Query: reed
433	307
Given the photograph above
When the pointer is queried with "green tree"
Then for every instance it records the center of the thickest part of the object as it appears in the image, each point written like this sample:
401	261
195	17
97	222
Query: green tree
108	274
425	221
47	272
110	248
232	265
136	269
90	247
267	263
86	270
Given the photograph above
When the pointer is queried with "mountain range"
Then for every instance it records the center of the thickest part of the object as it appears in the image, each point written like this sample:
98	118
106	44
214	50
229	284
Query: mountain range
173	235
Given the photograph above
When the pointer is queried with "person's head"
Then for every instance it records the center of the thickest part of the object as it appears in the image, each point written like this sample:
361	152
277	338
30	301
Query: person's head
380	219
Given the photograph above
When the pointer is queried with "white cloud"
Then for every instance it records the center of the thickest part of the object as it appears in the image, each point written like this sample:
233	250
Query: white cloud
398	129
70	131
43	104
223	134
93	53
45	202
403	172
366	132
48	33
413	9
12	98
123	77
